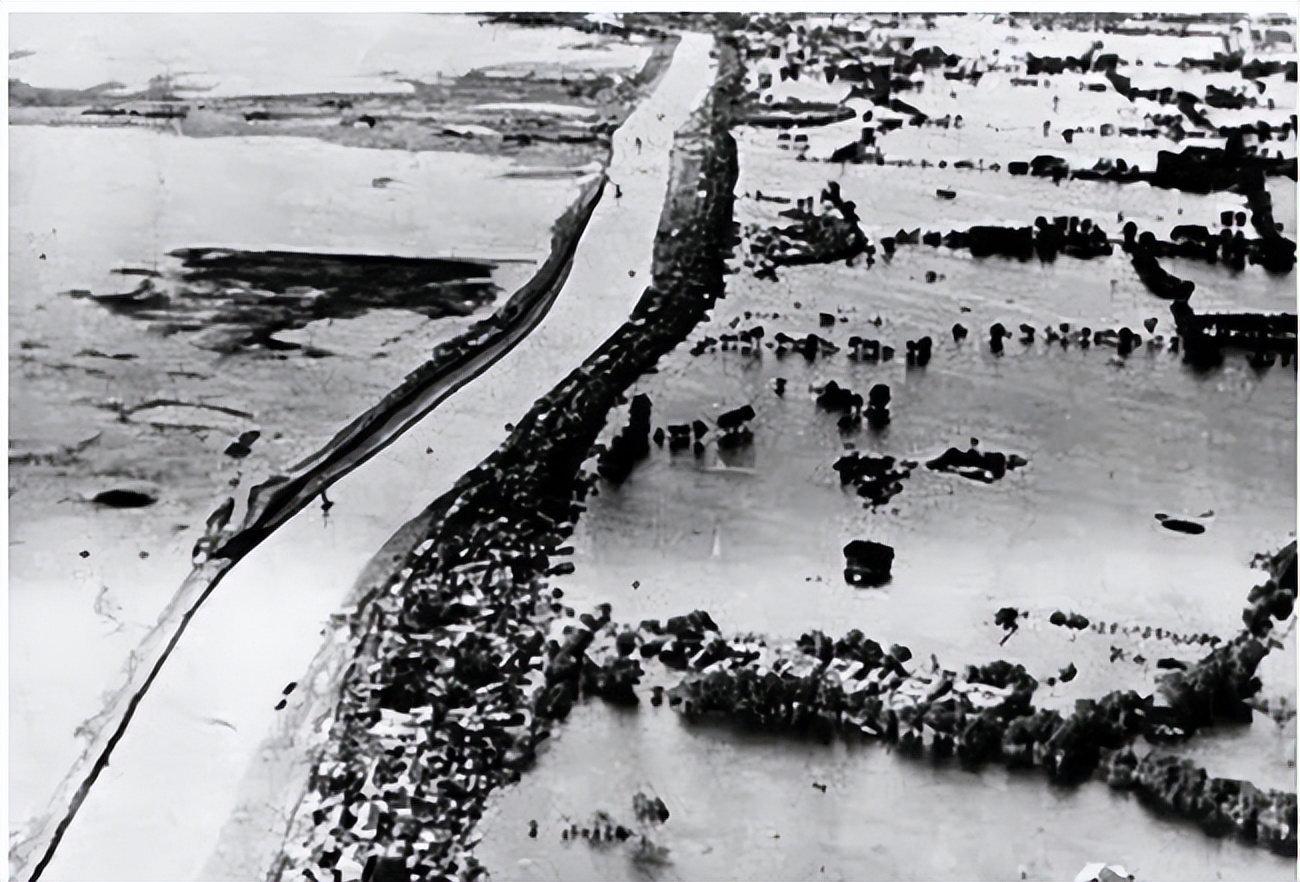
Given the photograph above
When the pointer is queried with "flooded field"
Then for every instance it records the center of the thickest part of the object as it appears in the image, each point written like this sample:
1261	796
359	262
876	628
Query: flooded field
1000	376
278	54
78	371
876	811
753	535
136	366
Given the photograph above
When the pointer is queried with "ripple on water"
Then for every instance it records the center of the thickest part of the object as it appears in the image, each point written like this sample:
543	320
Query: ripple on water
744	806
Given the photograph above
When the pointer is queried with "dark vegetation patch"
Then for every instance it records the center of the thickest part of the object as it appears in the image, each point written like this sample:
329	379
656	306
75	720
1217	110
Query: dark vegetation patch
1181	525
124	498
867	563
1067	234
615	463
854	688
442	705
822	232
249	296
1207	336
797	114
986	466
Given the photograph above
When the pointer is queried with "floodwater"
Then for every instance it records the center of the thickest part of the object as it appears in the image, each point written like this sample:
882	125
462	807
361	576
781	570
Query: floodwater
754	536
88	201
191	755
744	806
85	202
221	55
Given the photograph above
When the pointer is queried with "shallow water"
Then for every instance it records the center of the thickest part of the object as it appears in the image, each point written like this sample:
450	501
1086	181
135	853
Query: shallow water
755	536
87	201
744	807
220	55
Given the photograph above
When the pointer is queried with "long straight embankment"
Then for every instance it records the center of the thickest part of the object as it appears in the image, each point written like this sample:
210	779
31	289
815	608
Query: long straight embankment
268	506
241	523
438	702
158	809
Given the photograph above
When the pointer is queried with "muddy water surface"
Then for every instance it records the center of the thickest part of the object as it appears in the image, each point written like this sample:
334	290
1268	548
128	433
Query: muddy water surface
285	54
190	760
90	201
754	536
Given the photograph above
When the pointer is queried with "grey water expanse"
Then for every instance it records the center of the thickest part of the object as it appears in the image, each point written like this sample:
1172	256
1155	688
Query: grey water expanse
232	236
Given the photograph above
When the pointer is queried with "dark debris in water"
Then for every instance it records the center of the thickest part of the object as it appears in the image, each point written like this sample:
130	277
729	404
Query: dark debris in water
649	810
120	497
242	299
1180	525
877	479
243	445
976	464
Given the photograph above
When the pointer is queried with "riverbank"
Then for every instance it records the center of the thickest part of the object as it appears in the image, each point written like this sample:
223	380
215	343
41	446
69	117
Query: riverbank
400	783
128	562
369	505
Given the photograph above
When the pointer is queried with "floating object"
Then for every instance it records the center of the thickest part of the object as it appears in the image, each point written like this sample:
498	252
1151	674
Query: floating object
122	497
868	563
244	446
1179	525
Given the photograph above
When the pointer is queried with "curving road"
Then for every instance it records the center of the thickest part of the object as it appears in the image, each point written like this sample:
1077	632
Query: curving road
157	810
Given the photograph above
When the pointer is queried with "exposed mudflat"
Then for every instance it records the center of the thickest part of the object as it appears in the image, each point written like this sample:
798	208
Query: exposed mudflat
542	95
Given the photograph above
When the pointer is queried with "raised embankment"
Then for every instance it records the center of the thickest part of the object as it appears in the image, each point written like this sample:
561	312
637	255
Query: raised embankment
441	703
271	503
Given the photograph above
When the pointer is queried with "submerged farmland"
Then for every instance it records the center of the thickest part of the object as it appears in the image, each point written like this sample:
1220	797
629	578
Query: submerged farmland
710	446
